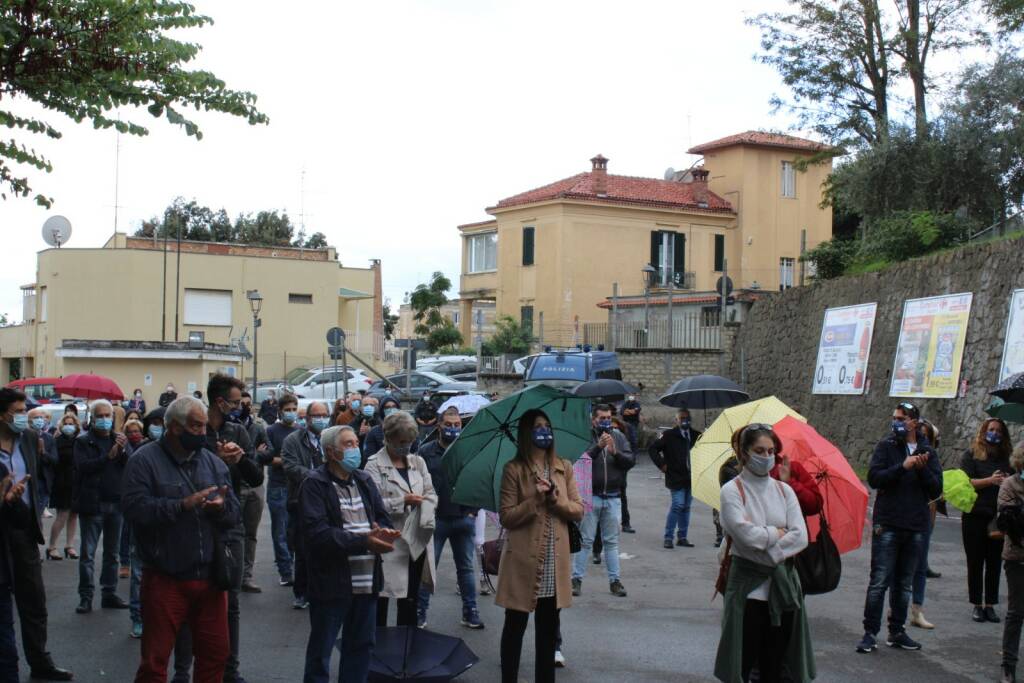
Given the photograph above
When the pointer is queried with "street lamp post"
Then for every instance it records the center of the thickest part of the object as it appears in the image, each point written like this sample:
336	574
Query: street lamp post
255	303
649	273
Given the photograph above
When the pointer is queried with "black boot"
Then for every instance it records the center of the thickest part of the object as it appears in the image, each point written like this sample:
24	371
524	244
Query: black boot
1009	674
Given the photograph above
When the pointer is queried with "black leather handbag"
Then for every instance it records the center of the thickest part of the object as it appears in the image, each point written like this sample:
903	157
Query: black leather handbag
575	537
819	564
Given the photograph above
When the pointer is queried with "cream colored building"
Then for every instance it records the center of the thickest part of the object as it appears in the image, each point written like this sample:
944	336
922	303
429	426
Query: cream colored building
124	310
550	255
481	322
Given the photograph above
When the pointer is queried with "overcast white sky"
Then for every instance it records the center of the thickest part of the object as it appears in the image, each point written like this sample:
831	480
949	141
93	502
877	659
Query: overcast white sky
410	117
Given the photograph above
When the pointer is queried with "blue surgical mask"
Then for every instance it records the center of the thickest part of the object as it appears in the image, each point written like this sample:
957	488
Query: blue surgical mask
760	465
67	430
993	438
368	411
543	437
390	411
605	425
355	404
103	424
351	459
155	432
39	423
20	422
451	433
318	424
898	428
684	424
289	416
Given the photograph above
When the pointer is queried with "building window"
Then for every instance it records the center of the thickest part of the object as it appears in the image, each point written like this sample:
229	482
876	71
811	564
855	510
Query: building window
526	318
668	256
483	252
528	246
208	307
300	298
710	315
786	268
788	179
456	317
719	253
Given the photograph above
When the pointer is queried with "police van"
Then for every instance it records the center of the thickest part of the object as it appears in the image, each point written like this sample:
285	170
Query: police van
568	367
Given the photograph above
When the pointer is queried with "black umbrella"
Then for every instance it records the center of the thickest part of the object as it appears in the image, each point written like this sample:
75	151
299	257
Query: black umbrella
702	392
1011	389
407	653
603	388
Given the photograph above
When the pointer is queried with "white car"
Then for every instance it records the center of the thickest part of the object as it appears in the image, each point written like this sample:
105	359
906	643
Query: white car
320	382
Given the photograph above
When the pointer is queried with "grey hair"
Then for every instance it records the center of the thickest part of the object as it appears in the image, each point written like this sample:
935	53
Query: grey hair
181	408
332	435
100	403
399	425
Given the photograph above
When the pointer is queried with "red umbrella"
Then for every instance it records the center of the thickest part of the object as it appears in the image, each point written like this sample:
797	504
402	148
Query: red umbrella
88	386
845	498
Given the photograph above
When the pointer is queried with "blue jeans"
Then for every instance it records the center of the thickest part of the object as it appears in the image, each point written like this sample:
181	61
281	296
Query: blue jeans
356	618
135	585
678	514
459	532
107	523
607	512
920	574
894	557
277	501
124	550
8	642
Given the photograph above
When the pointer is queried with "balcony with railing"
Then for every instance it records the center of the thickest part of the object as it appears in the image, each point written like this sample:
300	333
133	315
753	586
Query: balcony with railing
688	331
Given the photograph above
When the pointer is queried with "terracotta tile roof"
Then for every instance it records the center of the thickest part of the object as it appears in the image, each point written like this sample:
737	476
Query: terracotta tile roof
478	224
624	190
761	139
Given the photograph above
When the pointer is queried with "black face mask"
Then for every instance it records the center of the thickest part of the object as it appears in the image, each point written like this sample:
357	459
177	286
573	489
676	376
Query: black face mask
191	442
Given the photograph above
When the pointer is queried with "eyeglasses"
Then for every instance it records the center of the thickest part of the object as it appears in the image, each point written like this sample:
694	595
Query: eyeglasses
757	427
910	409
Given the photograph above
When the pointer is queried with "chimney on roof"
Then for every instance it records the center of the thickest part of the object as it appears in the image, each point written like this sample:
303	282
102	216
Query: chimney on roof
700	186
599	174
700	175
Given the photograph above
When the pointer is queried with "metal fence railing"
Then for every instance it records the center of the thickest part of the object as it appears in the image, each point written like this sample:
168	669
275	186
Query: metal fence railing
1009	225
690	331
496	365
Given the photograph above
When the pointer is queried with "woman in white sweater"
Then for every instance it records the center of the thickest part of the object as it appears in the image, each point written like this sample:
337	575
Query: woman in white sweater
764	625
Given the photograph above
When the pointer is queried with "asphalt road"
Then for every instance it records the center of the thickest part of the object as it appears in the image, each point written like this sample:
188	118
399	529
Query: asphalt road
666	629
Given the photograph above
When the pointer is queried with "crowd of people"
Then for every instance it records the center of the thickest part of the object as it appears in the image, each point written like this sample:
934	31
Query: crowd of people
361	508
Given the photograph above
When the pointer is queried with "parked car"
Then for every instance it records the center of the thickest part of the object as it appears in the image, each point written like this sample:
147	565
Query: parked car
430	360
320	382
459	370
421	382
571	367
39	389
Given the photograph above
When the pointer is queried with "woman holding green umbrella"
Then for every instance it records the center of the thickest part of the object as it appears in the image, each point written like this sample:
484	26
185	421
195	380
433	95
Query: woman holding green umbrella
538	501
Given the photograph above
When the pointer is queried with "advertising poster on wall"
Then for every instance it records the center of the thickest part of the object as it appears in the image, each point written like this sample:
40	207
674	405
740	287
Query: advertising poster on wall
1013	348
844	349
931	346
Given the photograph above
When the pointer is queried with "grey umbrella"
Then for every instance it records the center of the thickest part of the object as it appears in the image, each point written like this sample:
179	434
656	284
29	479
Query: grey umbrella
1010	389
702	392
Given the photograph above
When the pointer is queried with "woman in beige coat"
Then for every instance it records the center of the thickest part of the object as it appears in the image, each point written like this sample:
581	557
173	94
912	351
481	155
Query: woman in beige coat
404	483
538	501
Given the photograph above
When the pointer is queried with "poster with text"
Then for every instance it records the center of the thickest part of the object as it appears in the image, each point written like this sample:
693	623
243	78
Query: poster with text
931	346
1013	348
844	349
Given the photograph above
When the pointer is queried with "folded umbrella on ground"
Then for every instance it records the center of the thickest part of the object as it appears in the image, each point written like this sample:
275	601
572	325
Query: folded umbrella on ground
407	653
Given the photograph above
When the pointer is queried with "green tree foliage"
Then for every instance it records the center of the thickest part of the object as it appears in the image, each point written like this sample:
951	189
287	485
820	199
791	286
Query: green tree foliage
1009	14
426	301
444	337
317	240
85	59
509	337
390	320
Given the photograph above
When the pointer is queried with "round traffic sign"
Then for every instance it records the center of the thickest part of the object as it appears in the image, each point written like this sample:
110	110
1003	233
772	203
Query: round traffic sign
724	283
335	336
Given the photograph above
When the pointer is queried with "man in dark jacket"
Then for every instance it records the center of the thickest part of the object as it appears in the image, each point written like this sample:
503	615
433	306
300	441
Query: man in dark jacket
612	458
454	523
251	497
167	396
908	476
301	454
19	452
178	497
277	485
100	458
345	528
269	408
14	514
671	454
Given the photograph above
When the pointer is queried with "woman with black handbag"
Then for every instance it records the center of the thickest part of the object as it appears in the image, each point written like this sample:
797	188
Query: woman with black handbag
539	501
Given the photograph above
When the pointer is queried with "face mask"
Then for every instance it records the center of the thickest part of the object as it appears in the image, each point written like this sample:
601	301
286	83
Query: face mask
543	437
630	399
155	432
400	451
760	465
994	438
684	424
319	424
289	416
368	411
233	415
103	424
355	404
898	428
390	411
138	395
38	423
67	430
451	433
191	442
135	438
351	459
170	389
246	411
19	423
604	425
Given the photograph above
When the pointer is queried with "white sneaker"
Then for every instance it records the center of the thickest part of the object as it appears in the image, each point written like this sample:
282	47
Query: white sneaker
559	659
47	514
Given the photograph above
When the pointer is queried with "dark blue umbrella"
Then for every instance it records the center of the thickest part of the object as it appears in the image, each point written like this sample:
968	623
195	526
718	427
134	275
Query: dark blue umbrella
702	392
1010	389
603	388
407	653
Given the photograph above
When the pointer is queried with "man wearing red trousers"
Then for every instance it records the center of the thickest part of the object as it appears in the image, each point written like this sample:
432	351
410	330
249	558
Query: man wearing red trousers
177	496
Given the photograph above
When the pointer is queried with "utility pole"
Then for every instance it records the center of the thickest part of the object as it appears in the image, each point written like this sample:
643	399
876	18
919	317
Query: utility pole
613	337
723	294
177	288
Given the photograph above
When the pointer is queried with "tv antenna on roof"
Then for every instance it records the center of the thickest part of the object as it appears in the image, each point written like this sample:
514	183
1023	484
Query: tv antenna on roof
56	231
670	173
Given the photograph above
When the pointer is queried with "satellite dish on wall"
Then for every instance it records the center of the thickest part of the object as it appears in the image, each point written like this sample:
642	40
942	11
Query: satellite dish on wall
56	231
670	173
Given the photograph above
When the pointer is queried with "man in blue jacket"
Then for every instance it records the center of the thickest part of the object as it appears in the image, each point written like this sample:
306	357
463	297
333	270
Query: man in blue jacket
906	471
345	528
177	494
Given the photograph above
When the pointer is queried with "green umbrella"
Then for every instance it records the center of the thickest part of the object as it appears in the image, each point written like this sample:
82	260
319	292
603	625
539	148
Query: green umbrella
476	460
1007	412
957	489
